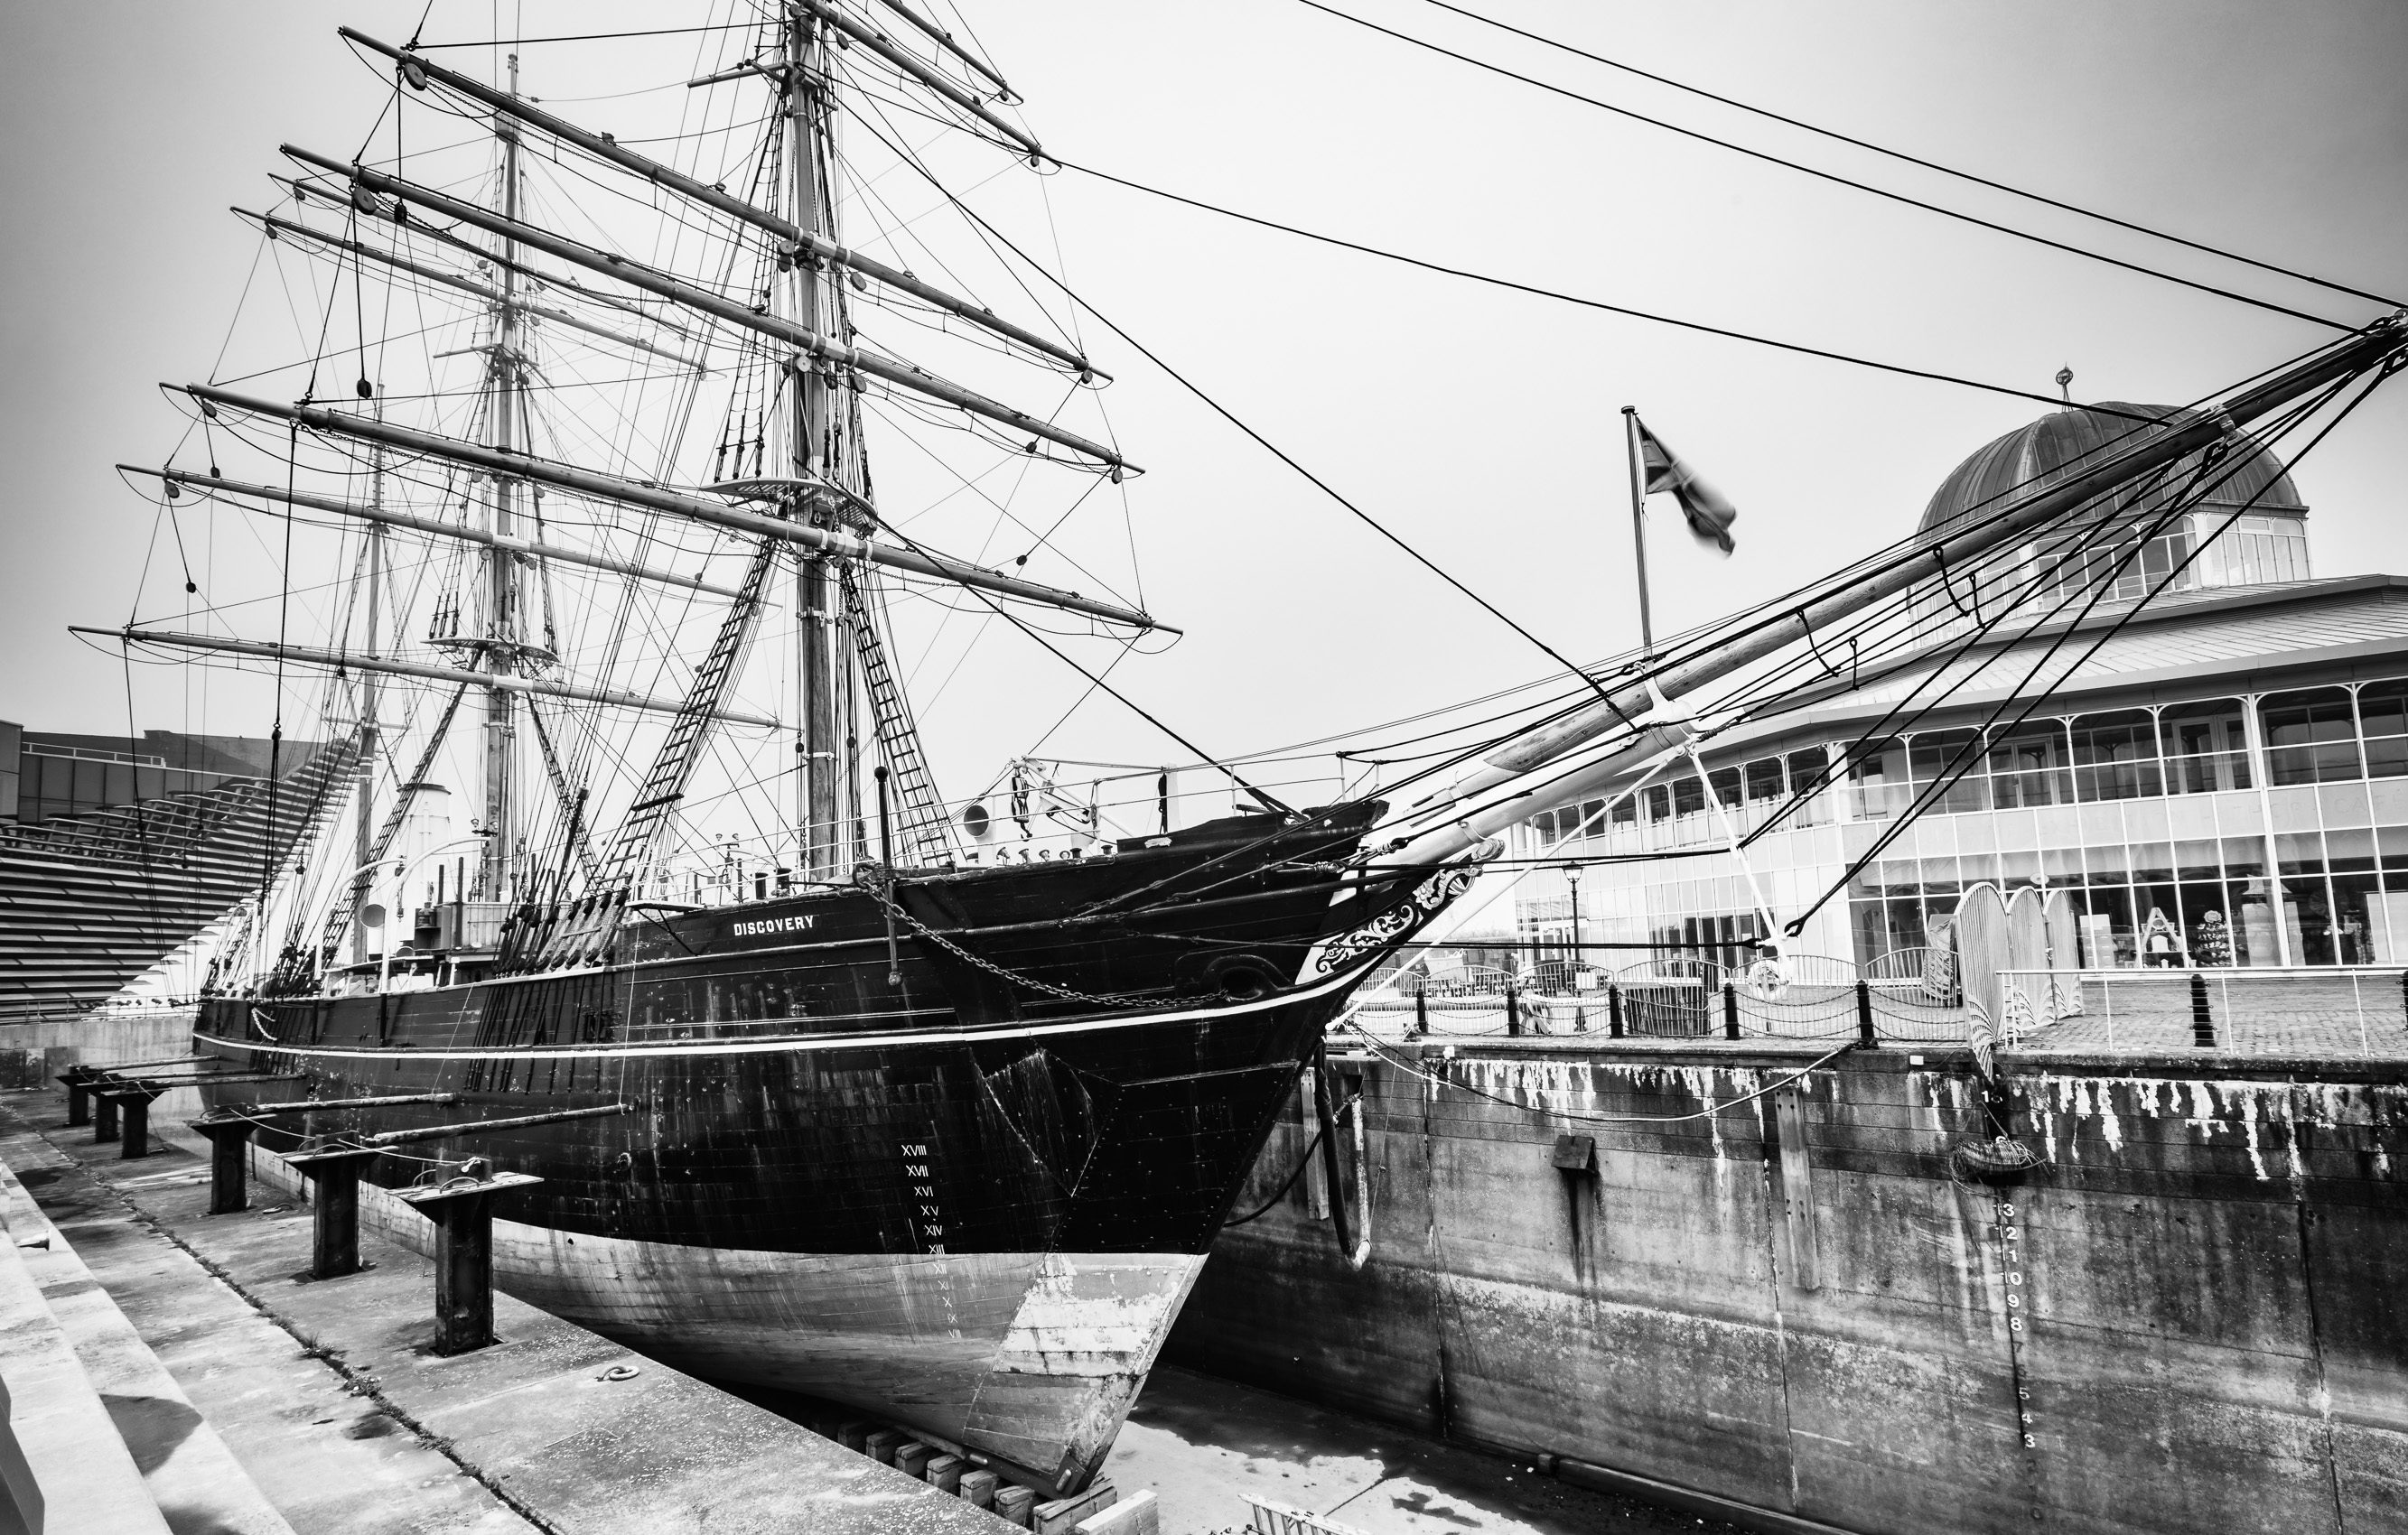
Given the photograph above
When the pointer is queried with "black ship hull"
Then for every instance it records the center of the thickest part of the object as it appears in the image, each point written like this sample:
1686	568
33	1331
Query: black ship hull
970	1196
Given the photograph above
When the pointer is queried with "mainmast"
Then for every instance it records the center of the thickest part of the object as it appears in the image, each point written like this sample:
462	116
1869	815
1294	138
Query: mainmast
822	669
497	865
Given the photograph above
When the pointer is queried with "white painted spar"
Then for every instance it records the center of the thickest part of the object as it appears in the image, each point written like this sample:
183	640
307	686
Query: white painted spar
1033	1357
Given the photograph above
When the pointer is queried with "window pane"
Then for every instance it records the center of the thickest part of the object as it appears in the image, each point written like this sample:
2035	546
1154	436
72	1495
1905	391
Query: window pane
1659	802
1725	782
1953	754
2028	765
2206	745
2383	707
2116	756
2311	736
1877	781
1763	779
1688	797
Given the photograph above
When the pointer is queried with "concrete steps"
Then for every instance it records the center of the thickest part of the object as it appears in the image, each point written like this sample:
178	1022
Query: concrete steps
112	1445
88	902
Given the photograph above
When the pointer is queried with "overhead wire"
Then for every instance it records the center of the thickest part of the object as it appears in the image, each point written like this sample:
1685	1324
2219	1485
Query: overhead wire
1988	182
1833	177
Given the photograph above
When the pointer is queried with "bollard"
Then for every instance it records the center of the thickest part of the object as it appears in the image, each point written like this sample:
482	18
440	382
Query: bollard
78	1085
1730	1011
1613	1010
334	1178
462	1209
1865	1016
1512	1012
2203	1022
1421	1009
229	1163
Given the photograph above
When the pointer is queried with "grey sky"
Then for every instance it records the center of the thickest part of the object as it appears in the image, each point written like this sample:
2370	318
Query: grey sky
1480	425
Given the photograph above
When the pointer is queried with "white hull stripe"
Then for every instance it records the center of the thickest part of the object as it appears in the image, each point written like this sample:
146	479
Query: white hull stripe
798	1044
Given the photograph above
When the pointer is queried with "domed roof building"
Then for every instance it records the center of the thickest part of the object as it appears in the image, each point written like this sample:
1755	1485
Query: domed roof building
2232	479
2232	757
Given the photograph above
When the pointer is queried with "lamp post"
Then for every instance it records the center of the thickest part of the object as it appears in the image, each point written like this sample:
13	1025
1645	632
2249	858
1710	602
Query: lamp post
1571	976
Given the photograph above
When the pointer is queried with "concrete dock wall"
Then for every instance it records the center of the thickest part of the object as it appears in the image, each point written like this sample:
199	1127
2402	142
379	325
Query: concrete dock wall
34	1053
2200	1301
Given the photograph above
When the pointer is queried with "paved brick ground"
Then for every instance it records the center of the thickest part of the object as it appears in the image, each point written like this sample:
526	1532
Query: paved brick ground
2342	1017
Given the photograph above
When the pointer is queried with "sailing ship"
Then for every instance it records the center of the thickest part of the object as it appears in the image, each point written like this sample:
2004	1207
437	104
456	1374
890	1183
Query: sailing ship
909	1124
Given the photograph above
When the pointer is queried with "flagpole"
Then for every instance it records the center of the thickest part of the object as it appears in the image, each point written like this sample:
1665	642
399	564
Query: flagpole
1639	524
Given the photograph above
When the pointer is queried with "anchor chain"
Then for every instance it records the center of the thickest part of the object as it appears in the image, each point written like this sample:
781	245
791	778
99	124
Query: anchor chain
1013	976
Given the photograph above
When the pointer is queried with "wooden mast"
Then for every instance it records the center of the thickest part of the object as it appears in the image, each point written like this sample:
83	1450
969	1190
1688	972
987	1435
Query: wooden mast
497	867
364	852
821	670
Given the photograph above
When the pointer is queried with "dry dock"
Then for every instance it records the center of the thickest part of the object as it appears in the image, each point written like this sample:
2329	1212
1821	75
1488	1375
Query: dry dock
1665	1266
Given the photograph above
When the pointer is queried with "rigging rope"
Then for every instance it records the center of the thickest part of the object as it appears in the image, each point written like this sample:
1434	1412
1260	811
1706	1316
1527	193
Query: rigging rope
1798	347
1917	160
1826	176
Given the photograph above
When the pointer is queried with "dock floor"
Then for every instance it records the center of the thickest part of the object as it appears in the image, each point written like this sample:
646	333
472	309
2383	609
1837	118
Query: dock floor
329	1396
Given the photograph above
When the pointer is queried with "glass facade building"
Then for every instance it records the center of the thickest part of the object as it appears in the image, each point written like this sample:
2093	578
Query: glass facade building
2234	758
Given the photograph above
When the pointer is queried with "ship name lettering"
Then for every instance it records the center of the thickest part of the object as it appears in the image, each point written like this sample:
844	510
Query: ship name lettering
758	926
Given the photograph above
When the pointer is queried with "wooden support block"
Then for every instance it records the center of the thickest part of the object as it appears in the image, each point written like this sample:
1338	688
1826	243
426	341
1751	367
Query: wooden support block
1062	1515
852	1432
334	1179
912	1458
1136	1514
1014	1504
882	1444
463	1212
944	1472
133	1107
1797	1188
978	1488
229	1163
